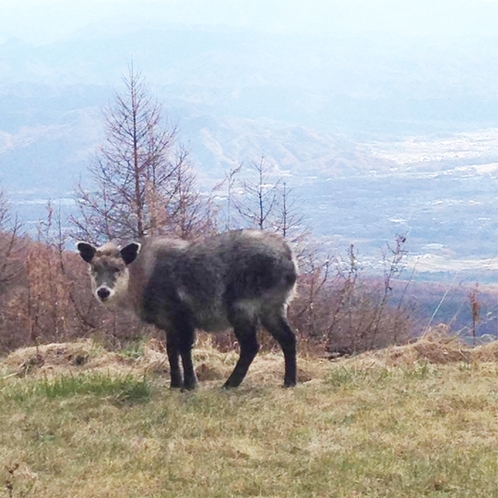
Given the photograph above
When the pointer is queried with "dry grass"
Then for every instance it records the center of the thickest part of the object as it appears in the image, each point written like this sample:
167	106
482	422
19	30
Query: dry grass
148	358
436	346
412	421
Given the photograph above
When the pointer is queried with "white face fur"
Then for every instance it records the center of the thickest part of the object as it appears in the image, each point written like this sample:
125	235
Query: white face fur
109	284
109	272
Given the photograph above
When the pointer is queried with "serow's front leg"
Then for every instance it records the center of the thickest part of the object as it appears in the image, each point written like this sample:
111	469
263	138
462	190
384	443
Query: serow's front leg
185	336
174	360
245	330
186	342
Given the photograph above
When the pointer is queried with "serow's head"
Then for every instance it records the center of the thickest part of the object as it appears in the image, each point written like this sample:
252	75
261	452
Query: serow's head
109	269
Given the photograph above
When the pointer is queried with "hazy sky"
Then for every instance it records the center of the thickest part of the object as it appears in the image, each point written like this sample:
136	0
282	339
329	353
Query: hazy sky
44	21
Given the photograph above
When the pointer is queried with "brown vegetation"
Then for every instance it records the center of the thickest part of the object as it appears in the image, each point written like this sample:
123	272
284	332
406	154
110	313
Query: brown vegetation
49	300
337	310
149	358
143	181
437	346
144	184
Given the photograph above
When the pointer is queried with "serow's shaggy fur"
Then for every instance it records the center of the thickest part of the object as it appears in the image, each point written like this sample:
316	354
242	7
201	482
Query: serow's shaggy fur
240	279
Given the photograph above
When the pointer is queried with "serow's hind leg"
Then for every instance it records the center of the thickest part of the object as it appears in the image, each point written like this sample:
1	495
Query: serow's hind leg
278	326
245	331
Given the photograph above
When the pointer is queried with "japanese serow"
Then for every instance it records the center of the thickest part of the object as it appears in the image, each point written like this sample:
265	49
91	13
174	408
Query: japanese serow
240	279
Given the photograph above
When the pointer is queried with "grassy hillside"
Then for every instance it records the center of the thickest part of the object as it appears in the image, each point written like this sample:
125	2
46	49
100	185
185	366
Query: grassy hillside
419	420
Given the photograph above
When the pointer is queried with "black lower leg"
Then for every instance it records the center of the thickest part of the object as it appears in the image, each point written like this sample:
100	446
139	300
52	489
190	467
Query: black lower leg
249	348
173	357
185	344
190	379
280	329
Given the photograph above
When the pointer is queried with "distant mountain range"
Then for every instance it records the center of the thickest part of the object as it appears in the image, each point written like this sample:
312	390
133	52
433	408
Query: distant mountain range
377	135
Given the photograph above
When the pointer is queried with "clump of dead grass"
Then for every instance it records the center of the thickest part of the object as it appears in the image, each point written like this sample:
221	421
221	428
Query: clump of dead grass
436	346
56	357
89	356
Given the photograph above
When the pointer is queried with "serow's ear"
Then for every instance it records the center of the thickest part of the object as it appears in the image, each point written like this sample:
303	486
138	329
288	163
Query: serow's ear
130	252
87	251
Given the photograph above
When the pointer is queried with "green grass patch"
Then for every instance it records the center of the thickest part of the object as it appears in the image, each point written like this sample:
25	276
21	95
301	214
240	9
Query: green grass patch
351	376
361	431
123	387
134	349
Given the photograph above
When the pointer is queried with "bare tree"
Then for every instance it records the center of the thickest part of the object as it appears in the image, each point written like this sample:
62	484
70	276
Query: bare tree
230	181
191	212
258	202
265	202
475	308
10	240
291	223
11	263
142	179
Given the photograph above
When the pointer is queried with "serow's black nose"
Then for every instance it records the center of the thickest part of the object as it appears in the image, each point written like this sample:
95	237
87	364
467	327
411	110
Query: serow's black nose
103	293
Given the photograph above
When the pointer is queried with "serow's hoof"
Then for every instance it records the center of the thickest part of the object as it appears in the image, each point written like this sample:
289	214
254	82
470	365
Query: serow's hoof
291	383
189	385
